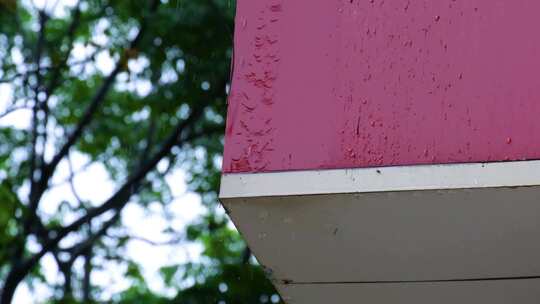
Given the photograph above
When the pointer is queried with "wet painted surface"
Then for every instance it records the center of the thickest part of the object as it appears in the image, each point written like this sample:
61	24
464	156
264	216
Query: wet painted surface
365	83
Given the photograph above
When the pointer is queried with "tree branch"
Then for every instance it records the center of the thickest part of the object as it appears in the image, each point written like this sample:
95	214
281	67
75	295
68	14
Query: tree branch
20	268
48	169
34	154
83	246
11	110
73	173
95	103
87	292
72	183
117	201
131	185
173	241
121	197
55	79
36	106
26	74
12	78
57	70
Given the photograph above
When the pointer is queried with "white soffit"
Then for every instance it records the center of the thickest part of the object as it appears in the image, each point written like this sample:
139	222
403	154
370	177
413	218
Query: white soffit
522	291
456	233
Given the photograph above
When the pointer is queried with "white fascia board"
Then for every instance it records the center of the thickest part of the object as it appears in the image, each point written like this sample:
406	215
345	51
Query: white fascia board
382	179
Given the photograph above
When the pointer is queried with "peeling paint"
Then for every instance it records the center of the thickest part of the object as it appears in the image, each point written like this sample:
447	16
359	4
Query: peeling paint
253	88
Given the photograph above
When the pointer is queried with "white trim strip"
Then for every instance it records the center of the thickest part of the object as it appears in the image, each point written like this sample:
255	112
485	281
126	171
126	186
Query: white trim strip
399	178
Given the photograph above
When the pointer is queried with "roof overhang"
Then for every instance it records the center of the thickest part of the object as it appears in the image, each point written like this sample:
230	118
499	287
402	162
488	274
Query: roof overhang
415	233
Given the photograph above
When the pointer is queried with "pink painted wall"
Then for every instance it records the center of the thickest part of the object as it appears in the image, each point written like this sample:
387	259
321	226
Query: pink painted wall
363	83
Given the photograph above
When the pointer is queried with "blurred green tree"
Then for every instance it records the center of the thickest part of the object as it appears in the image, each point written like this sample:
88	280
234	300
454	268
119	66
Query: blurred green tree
158	97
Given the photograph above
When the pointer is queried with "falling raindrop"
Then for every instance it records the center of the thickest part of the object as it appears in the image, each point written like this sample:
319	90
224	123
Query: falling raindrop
223	287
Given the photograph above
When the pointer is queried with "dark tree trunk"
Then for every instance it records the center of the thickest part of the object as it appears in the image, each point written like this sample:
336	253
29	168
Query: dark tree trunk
13	279
87	297
67	288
